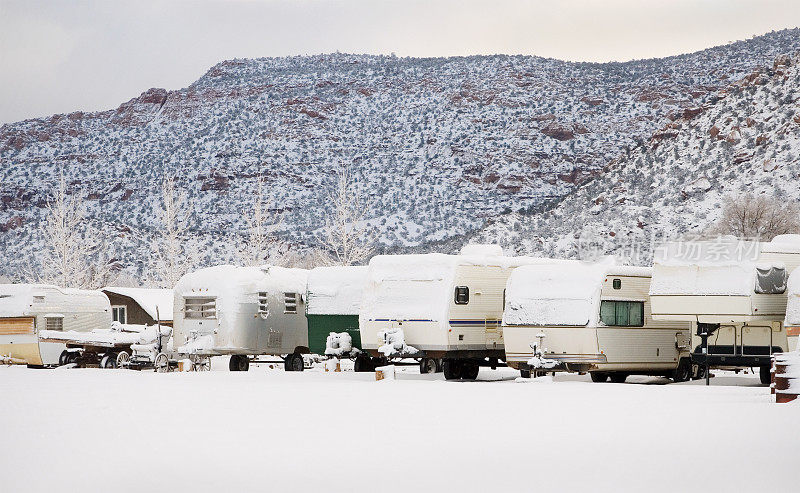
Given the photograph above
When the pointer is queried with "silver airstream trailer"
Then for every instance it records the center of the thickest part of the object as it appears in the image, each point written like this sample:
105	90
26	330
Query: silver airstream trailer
242	312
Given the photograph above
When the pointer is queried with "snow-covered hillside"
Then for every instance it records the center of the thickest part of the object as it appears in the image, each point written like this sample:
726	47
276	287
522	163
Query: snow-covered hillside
440	145
748	141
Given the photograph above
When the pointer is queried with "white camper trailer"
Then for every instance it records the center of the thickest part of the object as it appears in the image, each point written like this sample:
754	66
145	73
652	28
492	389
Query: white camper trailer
442	309
733	291
27	309
242	312
590	317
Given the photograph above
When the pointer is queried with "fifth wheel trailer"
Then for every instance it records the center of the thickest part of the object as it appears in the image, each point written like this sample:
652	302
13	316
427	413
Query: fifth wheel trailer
27	309
734	293
242	312
590	317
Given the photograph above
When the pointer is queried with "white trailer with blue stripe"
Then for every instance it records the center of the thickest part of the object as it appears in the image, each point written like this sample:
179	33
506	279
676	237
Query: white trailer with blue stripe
444	310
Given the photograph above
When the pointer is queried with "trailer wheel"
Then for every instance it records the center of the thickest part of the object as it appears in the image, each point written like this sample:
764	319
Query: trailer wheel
617	377
427	365
109	360
524	373
123	359
161	363
294	362
72	357
470	370
62	358
598	376
452	369
683	372
239	362
362	364
765	374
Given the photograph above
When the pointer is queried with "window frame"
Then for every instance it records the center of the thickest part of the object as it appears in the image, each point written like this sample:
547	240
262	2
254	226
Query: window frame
291	302
456	295
204	312
60	324
617	304
124	310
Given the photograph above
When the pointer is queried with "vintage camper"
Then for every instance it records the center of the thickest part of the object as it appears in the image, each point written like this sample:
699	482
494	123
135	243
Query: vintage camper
734	291
596	317
140	306
792	320
444	310
242	312
332	303
26	309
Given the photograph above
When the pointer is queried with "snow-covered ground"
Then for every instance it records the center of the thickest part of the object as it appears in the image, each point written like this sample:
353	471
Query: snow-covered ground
268	430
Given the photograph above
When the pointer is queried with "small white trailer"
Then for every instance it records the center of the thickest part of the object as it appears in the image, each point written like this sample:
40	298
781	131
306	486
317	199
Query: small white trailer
242	312
734	293
593	318
27	309
444	310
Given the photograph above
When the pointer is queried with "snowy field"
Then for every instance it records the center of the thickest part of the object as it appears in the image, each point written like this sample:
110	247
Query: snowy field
268	430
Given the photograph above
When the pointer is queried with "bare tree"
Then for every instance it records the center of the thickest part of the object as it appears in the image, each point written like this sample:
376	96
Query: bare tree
77	254
347	239
757	216
261	244
171	257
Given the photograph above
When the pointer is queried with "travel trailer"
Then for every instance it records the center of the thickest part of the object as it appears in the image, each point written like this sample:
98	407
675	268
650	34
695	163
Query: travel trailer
732	291
242	312
444	310
332	303
592	318
27	309
792	320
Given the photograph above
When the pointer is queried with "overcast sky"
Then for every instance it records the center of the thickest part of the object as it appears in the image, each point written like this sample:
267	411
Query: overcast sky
62	56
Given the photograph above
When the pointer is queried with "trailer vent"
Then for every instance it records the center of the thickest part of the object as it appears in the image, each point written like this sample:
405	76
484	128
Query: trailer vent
263	304
200	308
289	302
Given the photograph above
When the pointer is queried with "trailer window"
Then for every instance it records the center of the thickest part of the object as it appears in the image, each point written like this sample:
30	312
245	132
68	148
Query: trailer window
289	302
263	303
54	323
200	307
462	295
622	313
770	280
617	283
119	314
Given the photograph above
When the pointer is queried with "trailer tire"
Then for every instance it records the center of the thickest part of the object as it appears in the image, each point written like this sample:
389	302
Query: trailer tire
109	360
524	373
683	373
62	358
427	365
764	374
363	364
470	370
294	362
598	376
239	362
452	369
617	377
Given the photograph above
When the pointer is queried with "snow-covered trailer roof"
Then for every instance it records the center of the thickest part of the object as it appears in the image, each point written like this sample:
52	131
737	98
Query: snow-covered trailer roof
336	290
725	266
149	300
560	294
18	300
228	283
414	287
